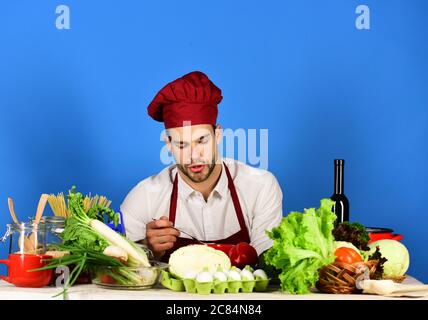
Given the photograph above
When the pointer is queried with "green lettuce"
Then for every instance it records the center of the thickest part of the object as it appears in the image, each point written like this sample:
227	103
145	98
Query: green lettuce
303	243
80	234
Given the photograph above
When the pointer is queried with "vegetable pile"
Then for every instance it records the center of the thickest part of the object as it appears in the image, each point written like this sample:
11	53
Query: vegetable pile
89	243
305	242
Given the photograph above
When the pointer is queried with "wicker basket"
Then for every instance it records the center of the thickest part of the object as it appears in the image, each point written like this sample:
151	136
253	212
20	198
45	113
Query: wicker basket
340	277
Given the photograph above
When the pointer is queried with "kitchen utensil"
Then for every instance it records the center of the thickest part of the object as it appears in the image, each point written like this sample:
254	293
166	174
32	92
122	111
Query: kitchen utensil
378	230
128	278
19	238
18	266
376	233
12	210
199	241
55	225
341	278
41	207
31	242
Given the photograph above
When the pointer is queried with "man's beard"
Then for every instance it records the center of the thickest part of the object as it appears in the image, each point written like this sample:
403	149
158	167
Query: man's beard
185	170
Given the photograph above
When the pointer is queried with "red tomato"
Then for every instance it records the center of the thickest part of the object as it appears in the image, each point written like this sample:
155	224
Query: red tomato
242	254
106	279
347	255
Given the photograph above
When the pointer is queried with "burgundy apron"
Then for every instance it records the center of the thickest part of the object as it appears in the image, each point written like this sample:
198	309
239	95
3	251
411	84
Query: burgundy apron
241	236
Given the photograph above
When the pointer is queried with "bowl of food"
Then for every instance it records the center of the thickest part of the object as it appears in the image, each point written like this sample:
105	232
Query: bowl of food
128	278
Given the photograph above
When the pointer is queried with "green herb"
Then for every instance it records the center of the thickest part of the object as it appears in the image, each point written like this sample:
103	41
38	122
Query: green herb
82	259
379	268
352	232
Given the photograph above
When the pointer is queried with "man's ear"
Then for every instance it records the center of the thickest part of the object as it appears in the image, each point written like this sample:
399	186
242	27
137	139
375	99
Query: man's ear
167	140
218	134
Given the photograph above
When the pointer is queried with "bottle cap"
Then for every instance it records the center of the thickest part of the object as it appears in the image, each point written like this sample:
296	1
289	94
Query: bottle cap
339	162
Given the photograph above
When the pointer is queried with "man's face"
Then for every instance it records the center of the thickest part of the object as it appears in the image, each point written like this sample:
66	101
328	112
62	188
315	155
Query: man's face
194	149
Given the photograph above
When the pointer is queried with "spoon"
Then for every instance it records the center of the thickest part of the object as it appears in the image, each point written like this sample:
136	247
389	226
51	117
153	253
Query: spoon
41	207
186	234
31	242
12	210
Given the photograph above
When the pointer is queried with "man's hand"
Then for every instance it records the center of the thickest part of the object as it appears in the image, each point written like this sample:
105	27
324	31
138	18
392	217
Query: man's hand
161	236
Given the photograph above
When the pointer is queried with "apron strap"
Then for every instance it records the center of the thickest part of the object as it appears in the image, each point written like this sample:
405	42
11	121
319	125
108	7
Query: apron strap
173	202
235	200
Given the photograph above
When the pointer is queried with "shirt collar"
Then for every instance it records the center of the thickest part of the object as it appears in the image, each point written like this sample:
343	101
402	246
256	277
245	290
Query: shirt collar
183	188
220	189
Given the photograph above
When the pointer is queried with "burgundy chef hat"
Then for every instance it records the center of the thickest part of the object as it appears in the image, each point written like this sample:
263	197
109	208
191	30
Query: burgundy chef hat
193	97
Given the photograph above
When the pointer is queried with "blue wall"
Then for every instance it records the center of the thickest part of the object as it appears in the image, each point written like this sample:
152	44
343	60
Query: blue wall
73	102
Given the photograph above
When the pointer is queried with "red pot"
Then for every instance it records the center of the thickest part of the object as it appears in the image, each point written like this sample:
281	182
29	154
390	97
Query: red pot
376	234
18	270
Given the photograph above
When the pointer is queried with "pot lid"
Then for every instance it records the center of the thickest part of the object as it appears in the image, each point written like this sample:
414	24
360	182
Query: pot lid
378	230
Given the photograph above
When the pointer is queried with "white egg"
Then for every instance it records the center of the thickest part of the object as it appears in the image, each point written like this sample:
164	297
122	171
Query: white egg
204	277
260	273
234	275
190	275
247	275
221	276
249	268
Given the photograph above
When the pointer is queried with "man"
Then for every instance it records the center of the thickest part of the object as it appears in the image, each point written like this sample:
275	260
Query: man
212	199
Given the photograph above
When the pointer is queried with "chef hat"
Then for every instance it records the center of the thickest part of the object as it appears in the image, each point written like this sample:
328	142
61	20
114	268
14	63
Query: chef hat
192	98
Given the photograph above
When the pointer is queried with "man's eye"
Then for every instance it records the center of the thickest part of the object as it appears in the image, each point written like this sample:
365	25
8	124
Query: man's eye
203	140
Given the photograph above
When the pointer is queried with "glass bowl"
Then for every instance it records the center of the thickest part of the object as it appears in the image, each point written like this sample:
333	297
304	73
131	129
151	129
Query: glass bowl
128	278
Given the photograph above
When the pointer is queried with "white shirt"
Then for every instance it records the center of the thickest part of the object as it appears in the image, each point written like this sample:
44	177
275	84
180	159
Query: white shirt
258	191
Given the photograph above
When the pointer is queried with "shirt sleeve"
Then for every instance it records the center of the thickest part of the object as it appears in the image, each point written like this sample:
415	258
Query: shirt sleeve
134	209
268	214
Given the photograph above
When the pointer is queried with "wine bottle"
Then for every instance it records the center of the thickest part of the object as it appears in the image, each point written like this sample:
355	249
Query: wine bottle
341	203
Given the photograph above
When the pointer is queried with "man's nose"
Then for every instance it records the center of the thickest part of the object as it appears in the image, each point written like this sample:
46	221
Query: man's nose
197	152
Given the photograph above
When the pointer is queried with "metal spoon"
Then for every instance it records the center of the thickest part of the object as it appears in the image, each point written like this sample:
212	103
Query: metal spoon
186	234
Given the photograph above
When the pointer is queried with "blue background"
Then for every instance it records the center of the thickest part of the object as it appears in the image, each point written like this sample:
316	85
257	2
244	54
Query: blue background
73	102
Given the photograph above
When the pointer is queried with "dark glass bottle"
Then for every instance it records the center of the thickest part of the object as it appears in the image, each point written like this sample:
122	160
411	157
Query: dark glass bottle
341	206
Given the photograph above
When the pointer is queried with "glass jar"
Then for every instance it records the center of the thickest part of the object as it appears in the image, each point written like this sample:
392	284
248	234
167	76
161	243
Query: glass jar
26	238
54	227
